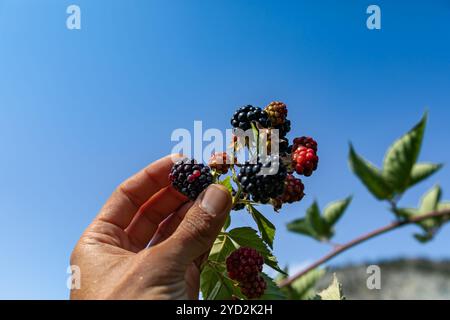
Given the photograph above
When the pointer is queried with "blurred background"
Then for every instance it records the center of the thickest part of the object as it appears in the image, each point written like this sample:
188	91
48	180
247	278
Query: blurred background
81	110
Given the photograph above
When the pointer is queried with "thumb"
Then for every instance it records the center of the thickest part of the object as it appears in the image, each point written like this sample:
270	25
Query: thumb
202	223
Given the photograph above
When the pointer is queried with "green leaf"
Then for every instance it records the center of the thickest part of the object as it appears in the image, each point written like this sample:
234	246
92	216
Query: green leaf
248	237
444	205
429	203
273	292
317	226
334	211
227	184
303	288
370	176
333	292
209	278
431	200
422	171
401	157
301	226
317	222
265	227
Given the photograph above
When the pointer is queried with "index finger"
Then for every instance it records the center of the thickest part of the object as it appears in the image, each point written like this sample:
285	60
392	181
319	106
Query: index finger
126	200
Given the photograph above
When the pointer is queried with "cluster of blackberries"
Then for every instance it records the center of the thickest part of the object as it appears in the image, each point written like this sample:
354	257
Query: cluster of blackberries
246	115
300	157
190	178
264	179
245	265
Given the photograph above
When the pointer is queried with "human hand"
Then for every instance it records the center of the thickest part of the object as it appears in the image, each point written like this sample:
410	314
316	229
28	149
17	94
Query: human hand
112	254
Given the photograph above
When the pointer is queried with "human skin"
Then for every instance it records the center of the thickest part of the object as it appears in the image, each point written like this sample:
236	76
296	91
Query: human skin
113	255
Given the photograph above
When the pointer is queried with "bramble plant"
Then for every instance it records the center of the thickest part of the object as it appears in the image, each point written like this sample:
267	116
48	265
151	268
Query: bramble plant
234	268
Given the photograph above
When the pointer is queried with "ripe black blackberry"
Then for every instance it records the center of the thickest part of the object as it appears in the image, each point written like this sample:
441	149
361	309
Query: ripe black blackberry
277	112
245	115
307	142
190	178
283	129
263	180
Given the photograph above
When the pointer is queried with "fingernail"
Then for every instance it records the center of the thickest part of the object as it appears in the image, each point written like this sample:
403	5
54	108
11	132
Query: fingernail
215	200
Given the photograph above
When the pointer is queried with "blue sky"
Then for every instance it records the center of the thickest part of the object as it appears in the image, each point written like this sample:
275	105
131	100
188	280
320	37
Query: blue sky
82	110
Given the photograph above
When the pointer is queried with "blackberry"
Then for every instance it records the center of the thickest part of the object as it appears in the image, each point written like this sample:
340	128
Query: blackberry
245	115
307	142
277	112
190	178
304	160
220	162
283	129
261	180
253	288
245	265
239	206
293	190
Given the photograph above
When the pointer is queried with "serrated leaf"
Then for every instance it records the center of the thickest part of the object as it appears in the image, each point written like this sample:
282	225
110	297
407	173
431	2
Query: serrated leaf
301	226
429	203
209	278
273	292
303	288
370	176
265	227
406	212
248	237
424	238
444	206
334	211
401	157
422	171
333	292
431	200
227	184
315	219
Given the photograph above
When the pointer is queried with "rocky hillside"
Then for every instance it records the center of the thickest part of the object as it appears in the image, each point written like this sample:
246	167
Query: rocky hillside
400	279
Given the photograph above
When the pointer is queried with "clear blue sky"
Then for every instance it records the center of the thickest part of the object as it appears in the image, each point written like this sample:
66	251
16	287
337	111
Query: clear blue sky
82	110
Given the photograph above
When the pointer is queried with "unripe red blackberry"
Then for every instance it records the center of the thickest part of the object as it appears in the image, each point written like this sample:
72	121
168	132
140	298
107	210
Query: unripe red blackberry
220	162
253	288
304	160
244	263
245	115
263	180
190	178
307	142
277	112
